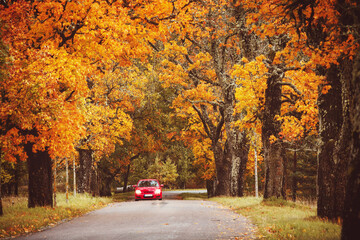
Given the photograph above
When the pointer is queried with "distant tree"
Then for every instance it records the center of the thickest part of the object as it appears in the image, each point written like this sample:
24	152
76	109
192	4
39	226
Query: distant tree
169	172
165	172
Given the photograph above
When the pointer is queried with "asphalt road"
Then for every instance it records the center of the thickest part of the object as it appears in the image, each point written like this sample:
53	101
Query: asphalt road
154	219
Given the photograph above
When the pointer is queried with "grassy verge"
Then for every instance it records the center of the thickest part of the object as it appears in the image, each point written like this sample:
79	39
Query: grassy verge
193	196
122	197
18	219
279	219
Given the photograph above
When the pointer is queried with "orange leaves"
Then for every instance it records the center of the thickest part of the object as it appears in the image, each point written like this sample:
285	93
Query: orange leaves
10	145
58	48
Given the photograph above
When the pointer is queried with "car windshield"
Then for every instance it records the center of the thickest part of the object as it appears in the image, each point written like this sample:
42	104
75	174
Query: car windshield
148	183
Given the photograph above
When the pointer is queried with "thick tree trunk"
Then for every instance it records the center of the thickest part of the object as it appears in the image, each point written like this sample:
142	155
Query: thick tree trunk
351	223
105	189
334	132
231	165
40	178
242	153
223	171
211	187
126	178
85	168
273	150
234	155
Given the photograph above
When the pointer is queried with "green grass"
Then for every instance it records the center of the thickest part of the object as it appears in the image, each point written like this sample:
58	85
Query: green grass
18	219
279	219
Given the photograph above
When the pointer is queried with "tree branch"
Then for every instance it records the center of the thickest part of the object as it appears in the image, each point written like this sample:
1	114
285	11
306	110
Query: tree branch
290	85
206	127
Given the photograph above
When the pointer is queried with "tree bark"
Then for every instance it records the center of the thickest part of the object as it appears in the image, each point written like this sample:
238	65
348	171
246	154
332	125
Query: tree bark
40	178
17	173
273	151
94	181
334	132
256	174
74	176
105	189
210	187
351	223
294	177
223	171
85	168
55	183
1	208
126	178
242	153
67	180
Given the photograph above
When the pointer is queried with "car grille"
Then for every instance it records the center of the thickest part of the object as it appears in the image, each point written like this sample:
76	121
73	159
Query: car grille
146	192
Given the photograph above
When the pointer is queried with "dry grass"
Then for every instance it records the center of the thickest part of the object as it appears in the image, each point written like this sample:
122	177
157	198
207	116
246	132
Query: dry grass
280	219
18	219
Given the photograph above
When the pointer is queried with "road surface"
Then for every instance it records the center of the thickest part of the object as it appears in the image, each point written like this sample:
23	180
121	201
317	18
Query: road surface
154	219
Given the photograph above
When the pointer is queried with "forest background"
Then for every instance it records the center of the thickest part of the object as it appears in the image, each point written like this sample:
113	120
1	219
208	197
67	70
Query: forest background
191	92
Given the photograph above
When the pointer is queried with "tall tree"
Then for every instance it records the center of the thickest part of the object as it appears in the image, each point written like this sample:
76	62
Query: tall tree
206	41
351	221
43	98
3	55
319	26
302	32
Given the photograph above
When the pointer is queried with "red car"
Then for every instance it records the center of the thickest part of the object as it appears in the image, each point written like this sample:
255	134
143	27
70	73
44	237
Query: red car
148	189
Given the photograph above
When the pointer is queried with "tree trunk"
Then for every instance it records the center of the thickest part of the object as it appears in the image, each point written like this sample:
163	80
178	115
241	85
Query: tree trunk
242	153
351	223
1	208
273	151
94	186
223	171
126	178
85	168
334	132
210	187
67	180
105	190
74	176
294	177
17	173
40	178
55	183
256	173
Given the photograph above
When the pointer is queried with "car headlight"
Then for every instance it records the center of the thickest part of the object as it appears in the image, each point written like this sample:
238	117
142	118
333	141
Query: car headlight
138	192
157	191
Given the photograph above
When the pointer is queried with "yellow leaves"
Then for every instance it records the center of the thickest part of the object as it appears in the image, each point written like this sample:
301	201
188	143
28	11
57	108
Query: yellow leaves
251	80
204	158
